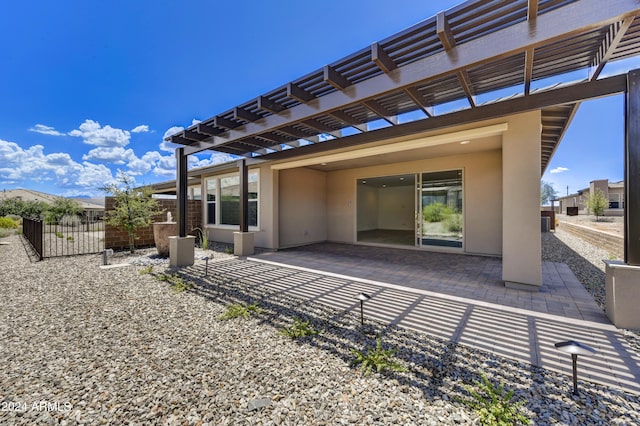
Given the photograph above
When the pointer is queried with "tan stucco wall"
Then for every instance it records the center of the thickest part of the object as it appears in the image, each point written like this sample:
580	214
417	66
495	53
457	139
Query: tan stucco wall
302	206
521	243
482	197
264	237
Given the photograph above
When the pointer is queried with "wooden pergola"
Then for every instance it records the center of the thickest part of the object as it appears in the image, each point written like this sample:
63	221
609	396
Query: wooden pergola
476	48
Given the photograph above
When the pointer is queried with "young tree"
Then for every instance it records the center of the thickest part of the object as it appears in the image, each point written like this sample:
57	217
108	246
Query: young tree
62	207
133	208
547	192
596	203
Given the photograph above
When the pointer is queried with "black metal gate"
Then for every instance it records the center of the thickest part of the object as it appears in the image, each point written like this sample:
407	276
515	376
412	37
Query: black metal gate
69	237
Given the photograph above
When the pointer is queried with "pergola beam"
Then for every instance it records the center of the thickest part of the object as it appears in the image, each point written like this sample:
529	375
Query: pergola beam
334	78
465	82
609	45
298	93
419	100
245	115
532	10
382	59
266	104
208	130
381	111
444	32
528	69
570	94
223	123
550	27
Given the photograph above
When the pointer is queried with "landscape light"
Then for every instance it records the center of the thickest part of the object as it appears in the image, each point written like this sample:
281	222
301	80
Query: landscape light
362	298
105	254
575	348
206	265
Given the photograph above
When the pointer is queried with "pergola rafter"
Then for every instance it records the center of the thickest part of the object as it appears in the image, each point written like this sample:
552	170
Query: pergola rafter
476	47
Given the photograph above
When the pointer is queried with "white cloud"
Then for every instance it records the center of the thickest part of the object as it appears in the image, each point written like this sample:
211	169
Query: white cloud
45	130
143	165
195	121
143	128
33	165
558	170
93	134
169	146
116	155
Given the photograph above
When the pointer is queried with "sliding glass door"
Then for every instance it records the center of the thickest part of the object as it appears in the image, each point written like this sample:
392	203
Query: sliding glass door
422	209
439	197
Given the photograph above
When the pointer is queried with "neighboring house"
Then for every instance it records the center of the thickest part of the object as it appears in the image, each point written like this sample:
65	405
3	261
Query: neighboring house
332	156
613	191
91	210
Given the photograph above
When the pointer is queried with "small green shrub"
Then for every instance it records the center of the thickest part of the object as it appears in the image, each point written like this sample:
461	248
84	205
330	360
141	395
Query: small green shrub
299	328
228	250
4	232
70	238
204	239
8	223
453	222
493	404
376	358
177	281
59	234
239	310
16	218
436	212
146	270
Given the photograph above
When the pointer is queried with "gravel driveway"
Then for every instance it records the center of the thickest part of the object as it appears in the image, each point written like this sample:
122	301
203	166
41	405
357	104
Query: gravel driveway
84	345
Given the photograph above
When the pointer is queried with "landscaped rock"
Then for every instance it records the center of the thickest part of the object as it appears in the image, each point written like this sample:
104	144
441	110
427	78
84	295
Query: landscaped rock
121	347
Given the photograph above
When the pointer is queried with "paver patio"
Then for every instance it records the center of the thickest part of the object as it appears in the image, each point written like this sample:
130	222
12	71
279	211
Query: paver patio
459	298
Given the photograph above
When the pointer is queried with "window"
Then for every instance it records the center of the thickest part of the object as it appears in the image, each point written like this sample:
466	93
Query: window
223	200
614	201
212	189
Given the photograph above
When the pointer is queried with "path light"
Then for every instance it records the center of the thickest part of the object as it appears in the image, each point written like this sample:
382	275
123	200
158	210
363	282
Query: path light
206	265
575	348
362	298
105	254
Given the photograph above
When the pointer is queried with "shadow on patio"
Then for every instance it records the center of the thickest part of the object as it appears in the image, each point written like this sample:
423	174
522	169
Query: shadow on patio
450	330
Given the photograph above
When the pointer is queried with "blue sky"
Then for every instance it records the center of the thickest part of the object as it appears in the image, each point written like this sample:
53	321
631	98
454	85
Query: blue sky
89	88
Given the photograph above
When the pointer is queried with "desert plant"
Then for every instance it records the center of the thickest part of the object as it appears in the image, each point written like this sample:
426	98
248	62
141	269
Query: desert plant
60	208
204	239
8	223
4	232
228	250
493	404
177	281
596	203
70	238
376	358
238	310
133	208
435	212
146	270
59	234
299	328
454	222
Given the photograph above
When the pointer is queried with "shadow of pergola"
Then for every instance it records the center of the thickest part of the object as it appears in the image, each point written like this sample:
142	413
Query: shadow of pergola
445	344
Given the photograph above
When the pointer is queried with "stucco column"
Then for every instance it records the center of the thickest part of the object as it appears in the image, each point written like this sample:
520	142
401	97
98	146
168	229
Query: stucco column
521	241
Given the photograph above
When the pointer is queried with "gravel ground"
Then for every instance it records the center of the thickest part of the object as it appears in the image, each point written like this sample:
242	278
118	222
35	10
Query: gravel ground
84	345
586	261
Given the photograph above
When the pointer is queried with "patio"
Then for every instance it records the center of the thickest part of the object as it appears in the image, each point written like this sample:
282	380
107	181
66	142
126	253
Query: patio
454	297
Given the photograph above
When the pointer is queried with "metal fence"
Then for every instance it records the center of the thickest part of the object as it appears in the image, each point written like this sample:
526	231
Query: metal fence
69	237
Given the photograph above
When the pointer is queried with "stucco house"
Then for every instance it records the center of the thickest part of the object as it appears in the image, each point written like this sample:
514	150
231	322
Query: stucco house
90	210
613	191
357	152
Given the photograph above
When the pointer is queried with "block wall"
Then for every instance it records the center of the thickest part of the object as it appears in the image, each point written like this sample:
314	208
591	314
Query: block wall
117	239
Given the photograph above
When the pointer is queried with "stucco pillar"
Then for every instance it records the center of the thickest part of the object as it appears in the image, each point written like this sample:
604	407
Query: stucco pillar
521	241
